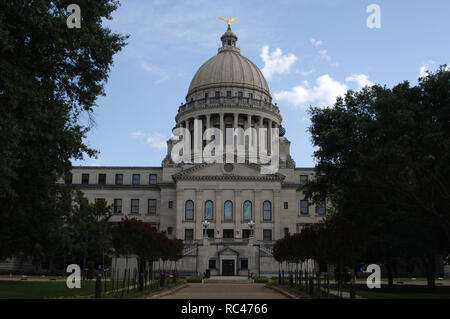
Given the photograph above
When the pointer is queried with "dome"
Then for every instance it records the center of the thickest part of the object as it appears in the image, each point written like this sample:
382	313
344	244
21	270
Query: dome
229	69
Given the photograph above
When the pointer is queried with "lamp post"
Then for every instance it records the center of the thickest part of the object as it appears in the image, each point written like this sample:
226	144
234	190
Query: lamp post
251	224
205	225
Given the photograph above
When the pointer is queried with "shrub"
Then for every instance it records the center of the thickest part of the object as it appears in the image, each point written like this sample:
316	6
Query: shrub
274	278
194	279
181	281
261	279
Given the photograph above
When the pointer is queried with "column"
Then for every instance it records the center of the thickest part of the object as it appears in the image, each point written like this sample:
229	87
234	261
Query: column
276	210
269	138
198	214
222	129
187	143
257	230
218	213
238	213
179	217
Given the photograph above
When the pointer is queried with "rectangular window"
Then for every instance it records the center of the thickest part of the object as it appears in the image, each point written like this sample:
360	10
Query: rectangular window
267	234
304	207
286	205
85	179
240	94
250	95
286	231
303	179
228	233
246	233
244	264
68	178
119	179
217	94
152	206
102	179
136	179
153	179
170	204
206	95
320	208
169	230
188	234
212	264
228	93
135	206
210	233
98	200
117	206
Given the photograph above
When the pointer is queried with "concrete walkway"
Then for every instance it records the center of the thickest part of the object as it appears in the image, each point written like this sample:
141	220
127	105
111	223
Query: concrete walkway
225	291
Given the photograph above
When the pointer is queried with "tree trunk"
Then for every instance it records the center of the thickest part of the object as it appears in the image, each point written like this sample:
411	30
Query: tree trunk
429	265
390	273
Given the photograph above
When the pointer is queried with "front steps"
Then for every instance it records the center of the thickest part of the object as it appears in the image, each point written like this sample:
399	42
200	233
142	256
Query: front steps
228	279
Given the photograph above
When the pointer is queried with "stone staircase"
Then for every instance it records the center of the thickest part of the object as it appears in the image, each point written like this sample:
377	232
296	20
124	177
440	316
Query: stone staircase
228	279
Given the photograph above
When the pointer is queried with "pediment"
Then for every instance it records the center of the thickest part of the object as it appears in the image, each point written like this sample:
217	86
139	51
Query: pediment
227	251
225	171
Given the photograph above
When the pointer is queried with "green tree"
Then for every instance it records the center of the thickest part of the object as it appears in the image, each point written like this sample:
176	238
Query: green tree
50	75
383	159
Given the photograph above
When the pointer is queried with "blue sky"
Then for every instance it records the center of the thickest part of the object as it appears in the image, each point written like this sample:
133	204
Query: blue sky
309	50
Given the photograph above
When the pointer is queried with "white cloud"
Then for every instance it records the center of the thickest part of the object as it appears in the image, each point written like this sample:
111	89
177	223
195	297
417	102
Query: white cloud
275	62
360	79
305	73
154	139
322	93
316	43
155	70
430	66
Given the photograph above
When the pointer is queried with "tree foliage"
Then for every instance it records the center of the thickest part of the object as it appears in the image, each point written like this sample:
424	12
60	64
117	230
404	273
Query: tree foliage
50	76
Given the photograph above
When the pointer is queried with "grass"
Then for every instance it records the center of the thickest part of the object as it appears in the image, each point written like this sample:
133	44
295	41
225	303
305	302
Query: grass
404	292
42	289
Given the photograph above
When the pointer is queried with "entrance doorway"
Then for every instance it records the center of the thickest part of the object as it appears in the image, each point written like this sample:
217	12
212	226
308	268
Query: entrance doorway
228	267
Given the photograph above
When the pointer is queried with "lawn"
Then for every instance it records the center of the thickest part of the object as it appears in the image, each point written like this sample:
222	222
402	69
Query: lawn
404	292
42	289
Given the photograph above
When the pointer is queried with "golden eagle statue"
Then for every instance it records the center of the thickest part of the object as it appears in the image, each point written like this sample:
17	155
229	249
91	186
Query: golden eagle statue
229	20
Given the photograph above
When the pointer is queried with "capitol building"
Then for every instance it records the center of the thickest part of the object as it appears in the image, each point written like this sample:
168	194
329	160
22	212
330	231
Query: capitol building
228	214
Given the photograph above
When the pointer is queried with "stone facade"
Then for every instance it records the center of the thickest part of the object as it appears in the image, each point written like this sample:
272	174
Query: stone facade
228	91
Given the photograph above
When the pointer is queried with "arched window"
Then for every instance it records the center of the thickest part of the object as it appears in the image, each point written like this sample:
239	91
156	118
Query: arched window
228	210
209	210
267	210
247	210
189	210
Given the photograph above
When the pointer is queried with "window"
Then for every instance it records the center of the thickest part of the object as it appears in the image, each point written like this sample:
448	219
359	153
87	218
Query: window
286	205
68	178
320	208
246	233
228	93
217	94
136	180
210	233
212	264
267	210
102	179
228	211
152	179
169	230
206	95
152	206
84	179
250	95
267	234
228	233
117	206
135	206
304	207
188	234
189	210
244	264
240	94
119	179
209	210
170	204
286	231
303	179
247	210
